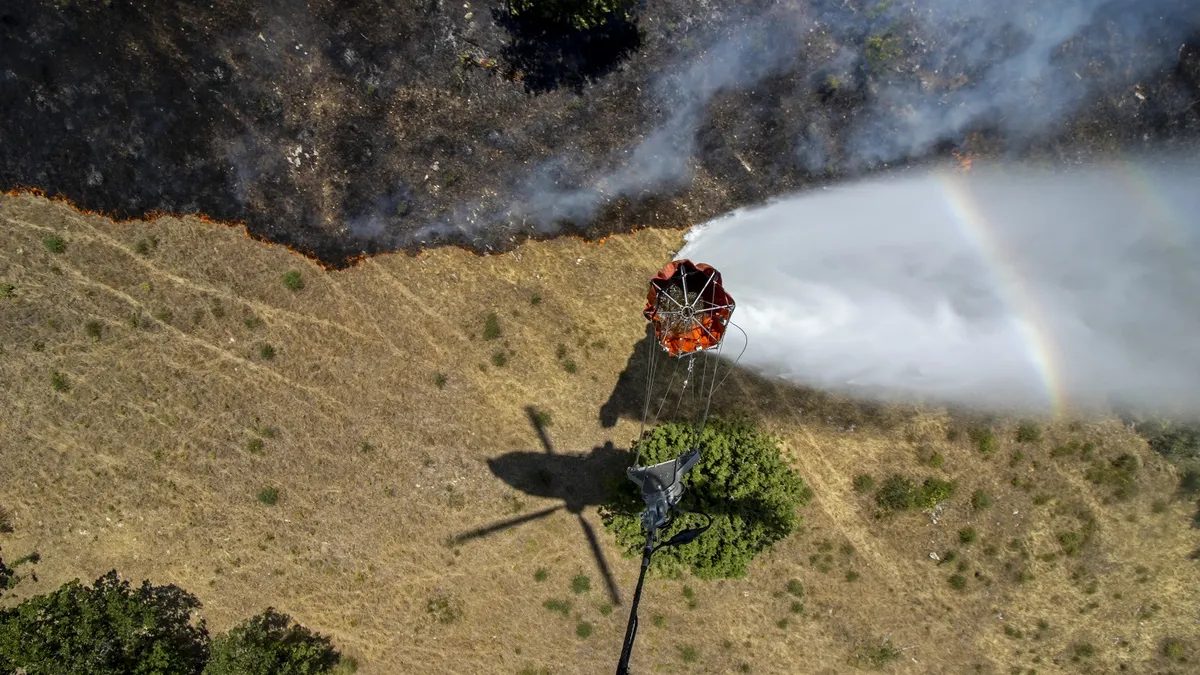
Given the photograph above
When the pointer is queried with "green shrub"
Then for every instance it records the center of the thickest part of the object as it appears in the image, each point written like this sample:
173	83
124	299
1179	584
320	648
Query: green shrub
570	366
795	588
967	535
576	14
936	460
659	621
1072	542
606	609
145	245
93	329
561	606
292	280
535	299
958	582
897	493
108	628
741	481
5	521
863	483
542	418
983	438
689	654
269	496
442	608
541	574
271	644
54	243
583	630
1120	474
934	491
499	359
8	291
875	656
266	351
1175	441
440	380
1172	648
491	327
255	445
580	583
1028	432
58	382
980	500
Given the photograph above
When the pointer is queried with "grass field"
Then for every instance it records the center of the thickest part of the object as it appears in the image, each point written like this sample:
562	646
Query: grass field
191	406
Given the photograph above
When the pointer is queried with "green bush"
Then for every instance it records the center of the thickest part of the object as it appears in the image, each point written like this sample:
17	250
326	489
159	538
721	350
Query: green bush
491	327
107	628
741	481
292	280
980	500
1120	474
54	243
967	535
577	14
1029	432
864	483
983	438
271	644
896	494
580	583
583	630
934	491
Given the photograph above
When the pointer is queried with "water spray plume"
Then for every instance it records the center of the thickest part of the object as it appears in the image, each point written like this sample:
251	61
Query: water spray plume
1003	288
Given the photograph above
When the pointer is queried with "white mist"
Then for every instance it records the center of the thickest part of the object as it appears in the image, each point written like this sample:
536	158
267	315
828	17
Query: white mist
1012	287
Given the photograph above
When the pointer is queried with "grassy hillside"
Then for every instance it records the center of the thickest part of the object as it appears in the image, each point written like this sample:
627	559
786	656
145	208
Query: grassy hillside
159	379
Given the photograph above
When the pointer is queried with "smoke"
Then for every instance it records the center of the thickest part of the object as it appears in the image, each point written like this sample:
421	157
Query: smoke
1010	287
923	72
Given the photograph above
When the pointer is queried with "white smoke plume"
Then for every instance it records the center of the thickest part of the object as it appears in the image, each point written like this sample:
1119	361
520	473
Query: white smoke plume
1008	287
1021	67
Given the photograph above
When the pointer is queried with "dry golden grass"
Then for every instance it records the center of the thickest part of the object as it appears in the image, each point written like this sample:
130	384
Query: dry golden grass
152	458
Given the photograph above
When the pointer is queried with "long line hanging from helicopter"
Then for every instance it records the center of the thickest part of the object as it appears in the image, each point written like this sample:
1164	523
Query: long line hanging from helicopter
685	327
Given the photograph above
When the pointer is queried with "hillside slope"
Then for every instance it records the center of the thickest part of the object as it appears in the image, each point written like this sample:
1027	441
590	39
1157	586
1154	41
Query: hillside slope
380	402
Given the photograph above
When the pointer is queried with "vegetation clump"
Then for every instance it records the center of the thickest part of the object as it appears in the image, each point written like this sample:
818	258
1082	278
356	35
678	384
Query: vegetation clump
863	483
292	280
741	481
1120	474
983	438
899	493
108	628
54	243
270	643
1029	432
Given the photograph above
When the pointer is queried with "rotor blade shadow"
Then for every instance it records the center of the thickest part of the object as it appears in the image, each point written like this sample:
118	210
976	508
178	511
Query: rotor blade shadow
613	592
539	426
504	525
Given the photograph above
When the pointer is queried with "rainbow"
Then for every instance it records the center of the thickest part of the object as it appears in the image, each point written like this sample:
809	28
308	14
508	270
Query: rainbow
1043	352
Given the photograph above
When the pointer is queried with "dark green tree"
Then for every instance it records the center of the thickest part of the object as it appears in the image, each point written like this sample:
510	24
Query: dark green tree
271	644
741	481
107	628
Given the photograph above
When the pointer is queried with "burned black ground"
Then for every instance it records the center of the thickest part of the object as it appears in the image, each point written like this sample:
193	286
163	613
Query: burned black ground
340	128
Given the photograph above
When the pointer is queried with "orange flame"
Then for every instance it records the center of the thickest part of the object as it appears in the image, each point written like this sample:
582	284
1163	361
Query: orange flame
964	160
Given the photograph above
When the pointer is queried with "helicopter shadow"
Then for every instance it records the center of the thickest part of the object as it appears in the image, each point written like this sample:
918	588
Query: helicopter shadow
579	481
